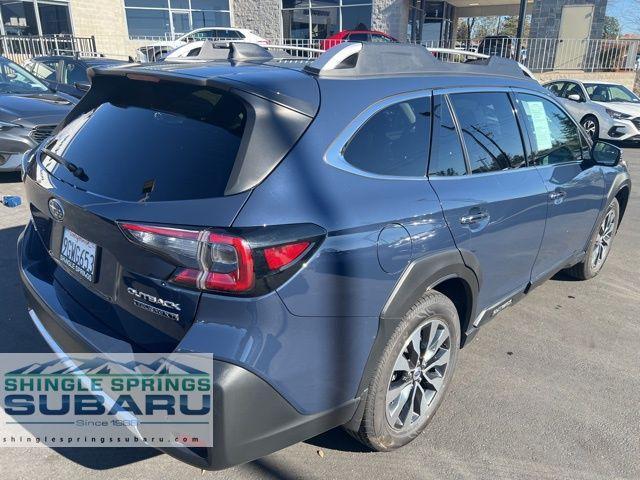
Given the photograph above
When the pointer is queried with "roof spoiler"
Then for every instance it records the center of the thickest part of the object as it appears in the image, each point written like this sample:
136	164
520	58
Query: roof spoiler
351	59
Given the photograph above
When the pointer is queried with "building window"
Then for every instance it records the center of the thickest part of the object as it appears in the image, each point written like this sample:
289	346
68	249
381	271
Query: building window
171	18
54	18
437	25
35	17
318	19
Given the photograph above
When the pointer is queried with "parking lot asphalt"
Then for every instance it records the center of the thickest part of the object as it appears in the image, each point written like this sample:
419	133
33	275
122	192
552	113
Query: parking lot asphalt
548	390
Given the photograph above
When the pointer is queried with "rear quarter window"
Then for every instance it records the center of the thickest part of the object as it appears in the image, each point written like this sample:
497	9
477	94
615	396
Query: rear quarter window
394	141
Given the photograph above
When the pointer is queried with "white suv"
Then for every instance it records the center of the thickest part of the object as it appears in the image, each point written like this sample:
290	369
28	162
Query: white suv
606	110
158	50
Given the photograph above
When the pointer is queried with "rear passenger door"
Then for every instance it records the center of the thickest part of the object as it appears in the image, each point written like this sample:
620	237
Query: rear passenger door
575	185
495	205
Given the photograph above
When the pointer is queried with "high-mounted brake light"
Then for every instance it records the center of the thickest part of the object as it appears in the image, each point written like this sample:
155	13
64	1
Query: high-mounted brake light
222	262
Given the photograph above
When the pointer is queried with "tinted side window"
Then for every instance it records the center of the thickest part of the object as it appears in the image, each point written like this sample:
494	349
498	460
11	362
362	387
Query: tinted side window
572	89
359	37
554	136
394	141
555	88
74	72
490	131
447	158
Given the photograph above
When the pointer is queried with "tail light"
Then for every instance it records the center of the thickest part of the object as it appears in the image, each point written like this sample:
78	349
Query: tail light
254	262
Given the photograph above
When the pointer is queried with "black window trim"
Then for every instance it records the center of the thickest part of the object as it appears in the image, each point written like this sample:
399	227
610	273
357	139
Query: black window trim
523	133
444	100
551	98
334	154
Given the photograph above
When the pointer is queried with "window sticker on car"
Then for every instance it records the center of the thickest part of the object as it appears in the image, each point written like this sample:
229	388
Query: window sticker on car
542	133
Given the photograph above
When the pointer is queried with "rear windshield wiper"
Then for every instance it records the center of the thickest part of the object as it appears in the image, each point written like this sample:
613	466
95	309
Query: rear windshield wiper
77	172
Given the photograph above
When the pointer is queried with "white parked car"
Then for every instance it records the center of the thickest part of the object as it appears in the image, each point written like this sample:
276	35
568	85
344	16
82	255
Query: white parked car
606	110
158	50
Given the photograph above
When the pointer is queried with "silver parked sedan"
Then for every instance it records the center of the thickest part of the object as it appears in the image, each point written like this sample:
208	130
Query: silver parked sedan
606	110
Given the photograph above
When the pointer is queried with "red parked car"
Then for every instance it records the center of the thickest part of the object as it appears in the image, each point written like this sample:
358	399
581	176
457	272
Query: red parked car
355	36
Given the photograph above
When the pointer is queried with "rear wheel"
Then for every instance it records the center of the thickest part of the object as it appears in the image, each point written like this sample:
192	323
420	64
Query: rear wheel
413	374
599	246
591	125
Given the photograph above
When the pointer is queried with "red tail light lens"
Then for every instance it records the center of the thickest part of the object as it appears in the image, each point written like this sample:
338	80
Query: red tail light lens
210	261
224	262
281	256
227	267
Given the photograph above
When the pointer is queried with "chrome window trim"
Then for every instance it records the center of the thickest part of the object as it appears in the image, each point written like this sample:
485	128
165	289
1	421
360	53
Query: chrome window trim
334	156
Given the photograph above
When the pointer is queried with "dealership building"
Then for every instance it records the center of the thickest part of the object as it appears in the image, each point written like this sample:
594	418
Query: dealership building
121	25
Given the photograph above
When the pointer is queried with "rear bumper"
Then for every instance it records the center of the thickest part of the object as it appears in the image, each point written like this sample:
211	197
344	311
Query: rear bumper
251	419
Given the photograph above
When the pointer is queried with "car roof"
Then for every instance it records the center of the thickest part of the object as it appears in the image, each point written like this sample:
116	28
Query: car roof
294	82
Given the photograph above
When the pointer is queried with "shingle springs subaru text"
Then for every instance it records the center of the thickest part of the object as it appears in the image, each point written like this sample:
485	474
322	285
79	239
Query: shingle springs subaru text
333	232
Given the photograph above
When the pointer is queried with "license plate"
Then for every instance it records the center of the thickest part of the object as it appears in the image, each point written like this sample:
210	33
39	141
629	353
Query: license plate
79	255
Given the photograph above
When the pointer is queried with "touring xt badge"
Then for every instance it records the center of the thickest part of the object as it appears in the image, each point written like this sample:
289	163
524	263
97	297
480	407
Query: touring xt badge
140	300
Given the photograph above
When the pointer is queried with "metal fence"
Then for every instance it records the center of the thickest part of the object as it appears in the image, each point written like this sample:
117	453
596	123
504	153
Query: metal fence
537	54
21	48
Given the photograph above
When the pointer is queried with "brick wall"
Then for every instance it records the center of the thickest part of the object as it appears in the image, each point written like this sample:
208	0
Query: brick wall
261	16
546	16
392	17
104	19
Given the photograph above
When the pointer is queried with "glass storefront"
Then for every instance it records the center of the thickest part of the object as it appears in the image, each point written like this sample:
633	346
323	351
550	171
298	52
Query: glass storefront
437	22
317	19
35	17
170	18
431	22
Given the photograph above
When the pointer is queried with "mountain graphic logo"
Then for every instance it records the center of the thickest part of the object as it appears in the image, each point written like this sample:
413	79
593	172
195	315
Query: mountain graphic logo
105	366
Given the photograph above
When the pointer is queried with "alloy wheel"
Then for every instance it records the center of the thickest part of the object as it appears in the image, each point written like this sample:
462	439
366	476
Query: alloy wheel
603	241
418	374
590	126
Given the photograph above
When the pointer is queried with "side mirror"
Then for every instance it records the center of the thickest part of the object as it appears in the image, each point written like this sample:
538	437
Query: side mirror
11	201
85	87
606	154
575	97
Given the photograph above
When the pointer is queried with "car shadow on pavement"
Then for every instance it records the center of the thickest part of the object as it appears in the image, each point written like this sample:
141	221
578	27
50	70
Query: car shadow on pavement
106	458
337	439
10	177
18	333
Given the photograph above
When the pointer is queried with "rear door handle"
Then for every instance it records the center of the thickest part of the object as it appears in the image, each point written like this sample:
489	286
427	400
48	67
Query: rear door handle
473	218
557	195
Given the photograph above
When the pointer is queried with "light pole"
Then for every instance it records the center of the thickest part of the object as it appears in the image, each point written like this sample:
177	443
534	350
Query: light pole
520	32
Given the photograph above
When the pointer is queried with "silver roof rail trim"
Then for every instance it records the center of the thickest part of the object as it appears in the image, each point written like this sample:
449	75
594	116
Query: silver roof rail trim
333	57
468	53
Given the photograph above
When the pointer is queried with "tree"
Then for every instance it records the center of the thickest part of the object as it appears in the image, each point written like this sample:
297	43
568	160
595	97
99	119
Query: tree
611	29
509	26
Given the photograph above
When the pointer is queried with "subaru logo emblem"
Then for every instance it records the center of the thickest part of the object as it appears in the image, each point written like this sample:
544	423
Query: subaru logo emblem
56	210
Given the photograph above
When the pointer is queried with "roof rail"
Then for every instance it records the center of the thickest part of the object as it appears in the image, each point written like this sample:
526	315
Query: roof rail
474	55
351	59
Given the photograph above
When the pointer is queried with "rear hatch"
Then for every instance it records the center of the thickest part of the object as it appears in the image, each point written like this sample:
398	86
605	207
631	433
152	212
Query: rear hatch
139	150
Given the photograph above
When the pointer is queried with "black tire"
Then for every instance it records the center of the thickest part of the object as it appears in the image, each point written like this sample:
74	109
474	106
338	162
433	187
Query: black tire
592	126
588	268
375	430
